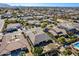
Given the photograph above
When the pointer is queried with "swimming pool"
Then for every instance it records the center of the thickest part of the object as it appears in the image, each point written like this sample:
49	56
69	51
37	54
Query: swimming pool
76	45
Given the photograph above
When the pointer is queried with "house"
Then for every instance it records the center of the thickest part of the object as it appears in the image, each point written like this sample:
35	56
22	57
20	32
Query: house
65	25
57	31
36	36
13	27
1	37
27	17
34	22
69	27
53	32
76	25
19	15
1	24
12	19
50	47
6	15
49	20
12	42
40	17
60	20
0	16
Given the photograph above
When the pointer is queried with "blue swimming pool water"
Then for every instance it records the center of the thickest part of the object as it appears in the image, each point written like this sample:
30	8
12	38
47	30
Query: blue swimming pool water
76	45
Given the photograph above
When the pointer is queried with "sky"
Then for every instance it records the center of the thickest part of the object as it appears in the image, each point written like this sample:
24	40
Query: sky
46	4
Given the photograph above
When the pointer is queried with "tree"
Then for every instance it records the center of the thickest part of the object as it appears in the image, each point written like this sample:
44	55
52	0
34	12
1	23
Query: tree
71	39
22	53
43	25
67	52
61	40
37	51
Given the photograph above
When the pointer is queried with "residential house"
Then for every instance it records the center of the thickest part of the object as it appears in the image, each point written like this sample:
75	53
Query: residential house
1	25
36	36
57	31
13	27
69	27
6	15
12	42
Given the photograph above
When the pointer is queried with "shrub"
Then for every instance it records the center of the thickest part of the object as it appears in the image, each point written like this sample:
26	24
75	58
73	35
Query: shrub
67	52
37	51
22	53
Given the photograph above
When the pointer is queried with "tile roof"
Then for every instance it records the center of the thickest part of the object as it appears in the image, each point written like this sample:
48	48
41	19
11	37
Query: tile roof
1	25
8	45
37	37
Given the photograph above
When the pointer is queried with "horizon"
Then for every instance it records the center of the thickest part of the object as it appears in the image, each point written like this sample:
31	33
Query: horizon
45	4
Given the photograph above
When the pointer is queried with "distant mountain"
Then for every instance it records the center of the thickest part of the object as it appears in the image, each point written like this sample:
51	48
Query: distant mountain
4	5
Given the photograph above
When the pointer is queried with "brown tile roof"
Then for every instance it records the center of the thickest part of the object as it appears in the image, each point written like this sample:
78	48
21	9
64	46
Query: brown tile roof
37	37
8	45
